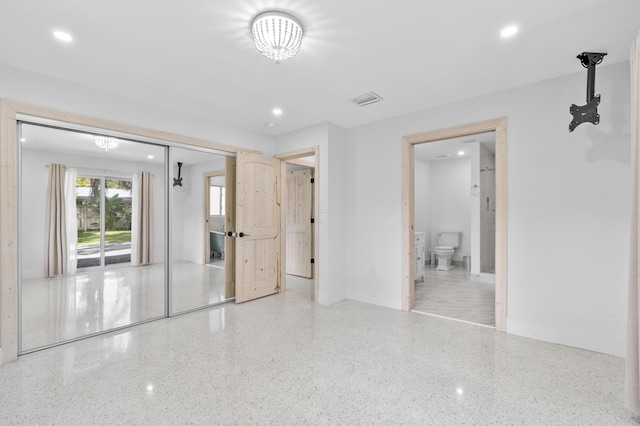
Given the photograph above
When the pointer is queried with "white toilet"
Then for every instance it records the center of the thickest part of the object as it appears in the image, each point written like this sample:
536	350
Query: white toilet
446	244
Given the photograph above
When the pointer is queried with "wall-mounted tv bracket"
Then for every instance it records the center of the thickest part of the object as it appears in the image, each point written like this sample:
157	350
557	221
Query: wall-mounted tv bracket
589	112
178	181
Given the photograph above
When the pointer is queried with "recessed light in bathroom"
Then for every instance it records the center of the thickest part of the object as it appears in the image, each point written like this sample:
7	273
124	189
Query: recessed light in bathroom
460	152
277	111
150	157
508	31
23	140
63	36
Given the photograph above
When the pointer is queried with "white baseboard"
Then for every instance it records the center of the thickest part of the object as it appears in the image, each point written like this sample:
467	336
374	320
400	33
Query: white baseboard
612	345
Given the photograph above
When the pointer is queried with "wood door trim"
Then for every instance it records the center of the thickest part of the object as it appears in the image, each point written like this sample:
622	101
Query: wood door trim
499	125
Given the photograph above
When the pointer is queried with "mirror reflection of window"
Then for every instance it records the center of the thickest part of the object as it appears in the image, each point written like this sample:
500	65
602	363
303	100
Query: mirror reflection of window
78	202
216	200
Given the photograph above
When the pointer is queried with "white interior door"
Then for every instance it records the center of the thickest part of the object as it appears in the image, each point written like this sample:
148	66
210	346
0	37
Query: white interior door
299	228
257	226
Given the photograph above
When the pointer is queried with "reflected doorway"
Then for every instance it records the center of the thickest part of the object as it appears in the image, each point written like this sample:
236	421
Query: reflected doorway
103	242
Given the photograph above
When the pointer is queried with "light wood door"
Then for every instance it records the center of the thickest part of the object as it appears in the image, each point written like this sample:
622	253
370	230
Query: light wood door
257	226
299	229
230	219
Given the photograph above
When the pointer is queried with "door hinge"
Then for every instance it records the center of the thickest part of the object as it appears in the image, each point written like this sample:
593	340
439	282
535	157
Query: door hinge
313	220
313	260
313	180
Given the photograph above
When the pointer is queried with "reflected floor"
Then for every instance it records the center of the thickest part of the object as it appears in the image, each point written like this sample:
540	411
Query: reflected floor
195	286
64	308
452	294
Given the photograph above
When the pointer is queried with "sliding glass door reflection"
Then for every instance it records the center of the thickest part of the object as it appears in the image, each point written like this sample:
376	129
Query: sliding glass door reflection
92	226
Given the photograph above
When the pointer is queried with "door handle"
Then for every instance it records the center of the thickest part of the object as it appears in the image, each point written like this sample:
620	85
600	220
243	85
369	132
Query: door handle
242	234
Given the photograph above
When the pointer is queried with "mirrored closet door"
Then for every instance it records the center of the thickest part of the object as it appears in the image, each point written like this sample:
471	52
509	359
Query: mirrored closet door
92	234
201	211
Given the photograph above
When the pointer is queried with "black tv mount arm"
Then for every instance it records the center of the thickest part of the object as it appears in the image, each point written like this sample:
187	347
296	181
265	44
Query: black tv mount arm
588	113
178	181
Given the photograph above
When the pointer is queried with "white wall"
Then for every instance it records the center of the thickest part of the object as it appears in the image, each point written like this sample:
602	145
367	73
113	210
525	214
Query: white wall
568	207
451	202
422	201
189	243
34	195
330	141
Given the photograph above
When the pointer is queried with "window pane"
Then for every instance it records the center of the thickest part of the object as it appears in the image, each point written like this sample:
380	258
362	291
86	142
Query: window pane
214	200
222	201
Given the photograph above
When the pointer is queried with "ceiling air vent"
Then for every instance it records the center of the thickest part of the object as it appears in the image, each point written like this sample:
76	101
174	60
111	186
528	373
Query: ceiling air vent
366	99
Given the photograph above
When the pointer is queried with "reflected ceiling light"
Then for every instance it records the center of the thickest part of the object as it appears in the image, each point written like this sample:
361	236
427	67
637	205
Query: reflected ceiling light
509	31
63	36
277	35
271	125
106	143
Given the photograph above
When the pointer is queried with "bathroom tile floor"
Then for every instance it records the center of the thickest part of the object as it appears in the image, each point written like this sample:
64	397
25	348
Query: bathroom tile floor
452	294
284	360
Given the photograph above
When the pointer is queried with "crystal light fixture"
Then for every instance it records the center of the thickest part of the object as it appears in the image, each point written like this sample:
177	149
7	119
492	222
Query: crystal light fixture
277	35
106	143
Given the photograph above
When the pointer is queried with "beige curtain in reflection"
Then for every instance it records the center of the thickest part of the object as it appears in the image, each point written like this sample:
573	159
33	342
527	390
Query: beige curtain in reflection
632	379
56	257
141	219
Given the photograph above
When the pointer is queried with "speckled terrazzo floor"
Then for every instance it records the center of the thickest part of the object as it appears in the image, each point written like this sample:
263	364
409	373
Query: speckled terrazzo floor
283	360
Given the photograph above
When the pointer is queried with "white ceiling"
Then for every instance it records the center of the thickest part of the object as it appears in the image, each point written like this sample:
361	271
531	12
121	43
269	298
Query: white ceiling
198	57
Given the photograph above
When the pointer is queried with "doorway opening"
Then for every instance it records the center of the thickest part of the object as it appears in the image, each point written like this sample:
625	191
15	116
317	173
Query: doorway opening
104	206
300	246
465	132
454	181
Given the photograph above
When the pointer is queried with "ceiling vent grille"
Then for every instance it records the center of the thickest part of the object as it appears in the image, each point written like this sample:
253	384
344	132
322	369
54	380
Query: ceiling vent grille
366	99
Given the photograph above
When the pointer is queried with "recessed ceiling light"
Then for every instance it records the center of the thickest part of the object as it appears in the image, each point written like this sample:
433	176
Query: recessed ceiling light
509	31
271	125
23	140
460	152
63	36
277	111
150	157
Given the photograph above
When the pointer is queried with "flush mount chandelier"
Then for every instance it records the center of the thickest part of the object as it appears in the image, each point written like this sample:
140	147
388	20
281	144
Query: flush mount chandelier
106	143
277	35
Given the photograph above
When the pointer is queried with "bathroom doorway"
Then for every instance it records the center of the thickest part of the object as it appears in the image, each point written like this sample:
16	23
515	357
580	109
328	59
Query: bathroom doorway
411	222
453	227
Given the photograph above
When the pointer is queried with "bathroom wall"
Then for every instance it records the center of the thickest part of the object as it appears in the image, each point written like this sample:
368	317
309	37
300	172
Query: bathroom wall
422	192
487	210
451	202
